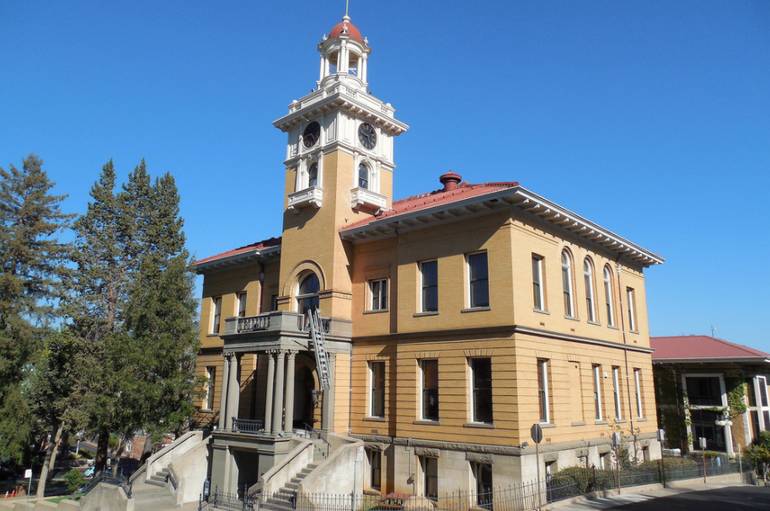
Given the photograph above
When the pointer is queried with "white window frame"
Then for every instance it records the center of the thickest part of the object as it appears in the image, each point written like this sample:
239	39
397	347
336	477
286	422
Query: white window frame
566	266
468	296
617	393
588	279
723	391
638	389
240	303
631	303
542	372
472	395
537	276
216	315
421	389
609	296
370	388
420	289
759	408
598	408
370	295
210	383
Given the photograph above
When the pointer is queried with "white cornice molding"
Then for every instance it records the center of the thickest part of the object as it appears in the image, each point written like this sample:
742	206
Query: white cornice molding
516	197
342	145
242	258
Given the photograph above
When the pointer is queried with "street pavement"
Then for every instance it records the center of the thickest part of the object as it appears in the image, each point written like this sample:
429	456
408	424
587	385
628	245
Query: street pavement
733	498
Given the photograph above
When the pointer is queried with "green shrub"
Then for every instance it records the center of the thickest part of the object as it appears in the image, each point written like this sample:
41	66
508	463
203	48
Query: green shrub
74	479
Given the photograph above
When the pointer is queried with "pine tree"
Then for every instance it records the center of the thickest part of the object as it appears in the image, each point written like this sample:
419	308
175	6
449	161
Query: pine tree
33	264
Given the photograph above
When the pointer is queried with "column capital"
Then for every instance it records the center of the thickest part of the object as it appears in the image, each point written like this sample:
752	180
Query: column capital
291	353
229	355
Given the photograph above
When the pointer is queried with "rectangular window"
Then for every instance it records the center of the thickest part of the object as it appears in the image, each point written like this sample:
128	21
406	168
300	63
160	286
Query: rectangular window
638	385
538	294
597	392
273	303
631	297
211	376
378	295
375	465
429	389
542	390
216	316
478	278
377	389
762	390
429	286
616	392
429	466
702	390
481	395
482	477
242	304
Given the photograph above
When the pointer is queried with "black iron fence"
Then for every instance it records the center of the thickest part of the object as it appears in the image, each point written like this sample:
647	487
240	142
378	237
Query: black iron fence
568	483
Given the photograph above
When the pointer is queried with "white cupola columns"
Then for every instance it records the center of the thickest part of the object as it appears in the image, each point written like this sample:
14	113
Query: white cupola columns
344	53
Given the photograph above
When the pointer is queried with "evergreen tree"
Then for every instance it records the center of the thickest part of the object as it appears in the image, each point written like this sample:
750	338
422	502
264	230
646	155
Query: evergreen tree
33	263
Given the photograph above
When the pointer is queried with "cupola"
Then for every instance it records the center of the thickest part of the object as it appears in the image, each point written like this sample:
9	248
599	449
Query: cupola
344	53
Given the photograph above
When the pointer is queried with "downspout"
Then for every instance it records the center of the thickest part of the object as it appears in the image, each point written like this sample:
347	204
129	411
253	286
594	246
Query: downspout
625	357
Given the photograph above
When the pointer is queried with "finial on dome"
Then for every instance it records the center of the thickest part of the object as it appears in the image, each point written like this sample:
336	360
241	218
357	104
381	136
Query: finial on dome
347	10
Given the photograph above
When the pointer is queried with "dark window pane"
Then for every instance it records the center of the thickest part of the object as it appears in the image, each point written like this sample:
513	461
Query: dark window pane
763	391
375	461
313	176
542	388
482	389
378	389
363	176
430	471
537	282
479	280
750	392
429	272
704	390
430	389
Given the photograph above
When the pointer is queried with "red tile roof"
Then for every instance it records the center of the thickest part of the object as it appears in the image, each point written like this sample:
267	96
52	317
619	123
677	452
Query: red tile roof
259	245
701	347
345	27
433	199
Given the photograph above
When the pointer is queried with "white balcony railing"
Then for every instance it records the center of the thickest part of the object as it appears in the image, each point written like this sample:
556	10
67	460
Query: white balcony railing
367	200
309	197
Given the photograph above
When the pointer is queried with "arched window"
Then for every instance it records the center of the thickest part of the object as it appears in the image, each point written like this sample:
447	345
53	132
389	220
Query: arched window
608	295
363	176
312	176
566	279
588	277
307	296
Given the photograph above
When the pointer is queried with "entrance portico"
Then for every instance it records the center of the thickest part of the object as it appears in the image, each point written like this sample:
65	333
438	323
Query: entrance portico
291	403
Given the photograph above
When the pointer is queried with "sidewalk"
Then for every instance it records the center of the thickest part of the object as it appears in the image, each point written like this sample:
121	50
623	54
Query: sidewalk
644	493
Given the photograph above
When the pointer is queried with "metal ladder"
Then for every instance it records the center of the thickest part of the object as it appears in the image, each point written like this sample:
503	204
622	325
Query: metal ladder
319	346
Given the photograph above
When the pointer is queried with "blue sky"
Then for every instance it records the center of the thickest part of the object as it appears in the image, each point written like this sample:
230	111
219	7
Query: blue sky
649	117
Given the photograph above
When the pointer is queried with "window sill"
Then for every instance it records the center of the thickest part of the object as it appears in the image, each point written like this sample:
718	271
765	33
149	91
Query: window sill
205	410
476	309
421	314
578	423
620	421
594	323
547	425
426	422
373	492
612	327
482	425
641	419
542	311
379	311
601	422
212	335
572	318
375	419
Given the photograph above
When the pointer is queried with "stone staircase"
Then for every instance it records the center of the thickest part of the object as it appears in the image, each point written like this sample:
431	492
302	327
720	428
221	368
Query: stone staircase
282	500
153	496
159	478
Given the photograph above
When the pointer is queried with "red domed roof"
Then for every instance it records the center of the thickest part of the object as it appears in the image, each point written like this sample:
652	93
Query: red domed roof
345	27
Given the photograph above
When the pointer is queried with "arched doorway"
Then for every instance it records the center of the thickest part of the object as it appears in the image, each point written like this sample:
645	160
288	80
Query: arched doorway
305	383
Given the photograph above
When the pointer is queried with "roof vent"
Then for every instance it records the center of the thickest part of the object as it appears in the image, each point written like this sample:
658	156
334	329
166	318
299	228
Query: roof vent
450	180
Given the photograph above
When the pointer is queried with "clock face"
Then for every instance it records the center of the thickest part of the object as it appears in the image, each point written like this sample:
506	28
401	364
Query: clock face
311	134
367	135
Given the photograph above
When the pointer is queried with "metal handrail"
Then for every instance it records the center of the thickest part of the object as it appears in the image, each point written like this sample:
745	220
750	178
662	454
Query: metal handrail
248	425
253	324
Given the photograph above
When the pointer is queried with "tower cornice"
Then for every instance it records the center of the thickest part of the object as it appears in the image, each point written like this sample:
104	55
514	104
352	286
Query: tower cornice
339	96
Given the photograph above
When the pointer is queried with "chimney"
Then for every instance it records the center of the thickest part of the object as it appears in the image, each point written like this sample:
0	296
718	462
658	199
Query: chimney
450	180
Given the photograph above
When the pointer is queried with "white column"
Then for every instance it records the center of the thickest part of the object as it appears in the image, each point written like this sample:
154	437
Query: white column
223	391
269	392
233	391
342	59
321	73
278	399
289	418
364	67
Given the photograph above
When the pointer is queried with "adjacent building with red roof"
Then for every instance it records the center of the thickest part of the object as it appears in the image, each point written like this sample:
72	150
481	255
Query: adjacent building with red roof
710	388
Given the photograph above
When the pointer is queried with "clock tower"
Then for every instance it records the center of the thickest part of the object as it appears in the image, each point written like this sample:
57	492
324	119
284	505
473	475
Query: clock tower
339	169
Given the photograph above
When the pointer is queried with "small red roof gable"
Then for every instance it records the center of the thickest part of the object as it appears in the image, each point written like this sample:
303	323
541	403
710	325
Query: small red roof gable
701	347
259	245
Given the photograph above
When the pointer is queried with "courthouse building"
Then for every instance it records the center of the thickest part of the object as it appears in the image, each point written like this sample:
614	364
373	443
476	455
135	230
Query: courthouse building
452	320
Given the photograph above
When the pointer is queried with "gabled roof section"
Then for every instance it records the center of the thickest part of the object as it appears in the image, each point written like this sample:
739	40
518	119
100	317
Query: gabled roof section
469	200
703	348
259	250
